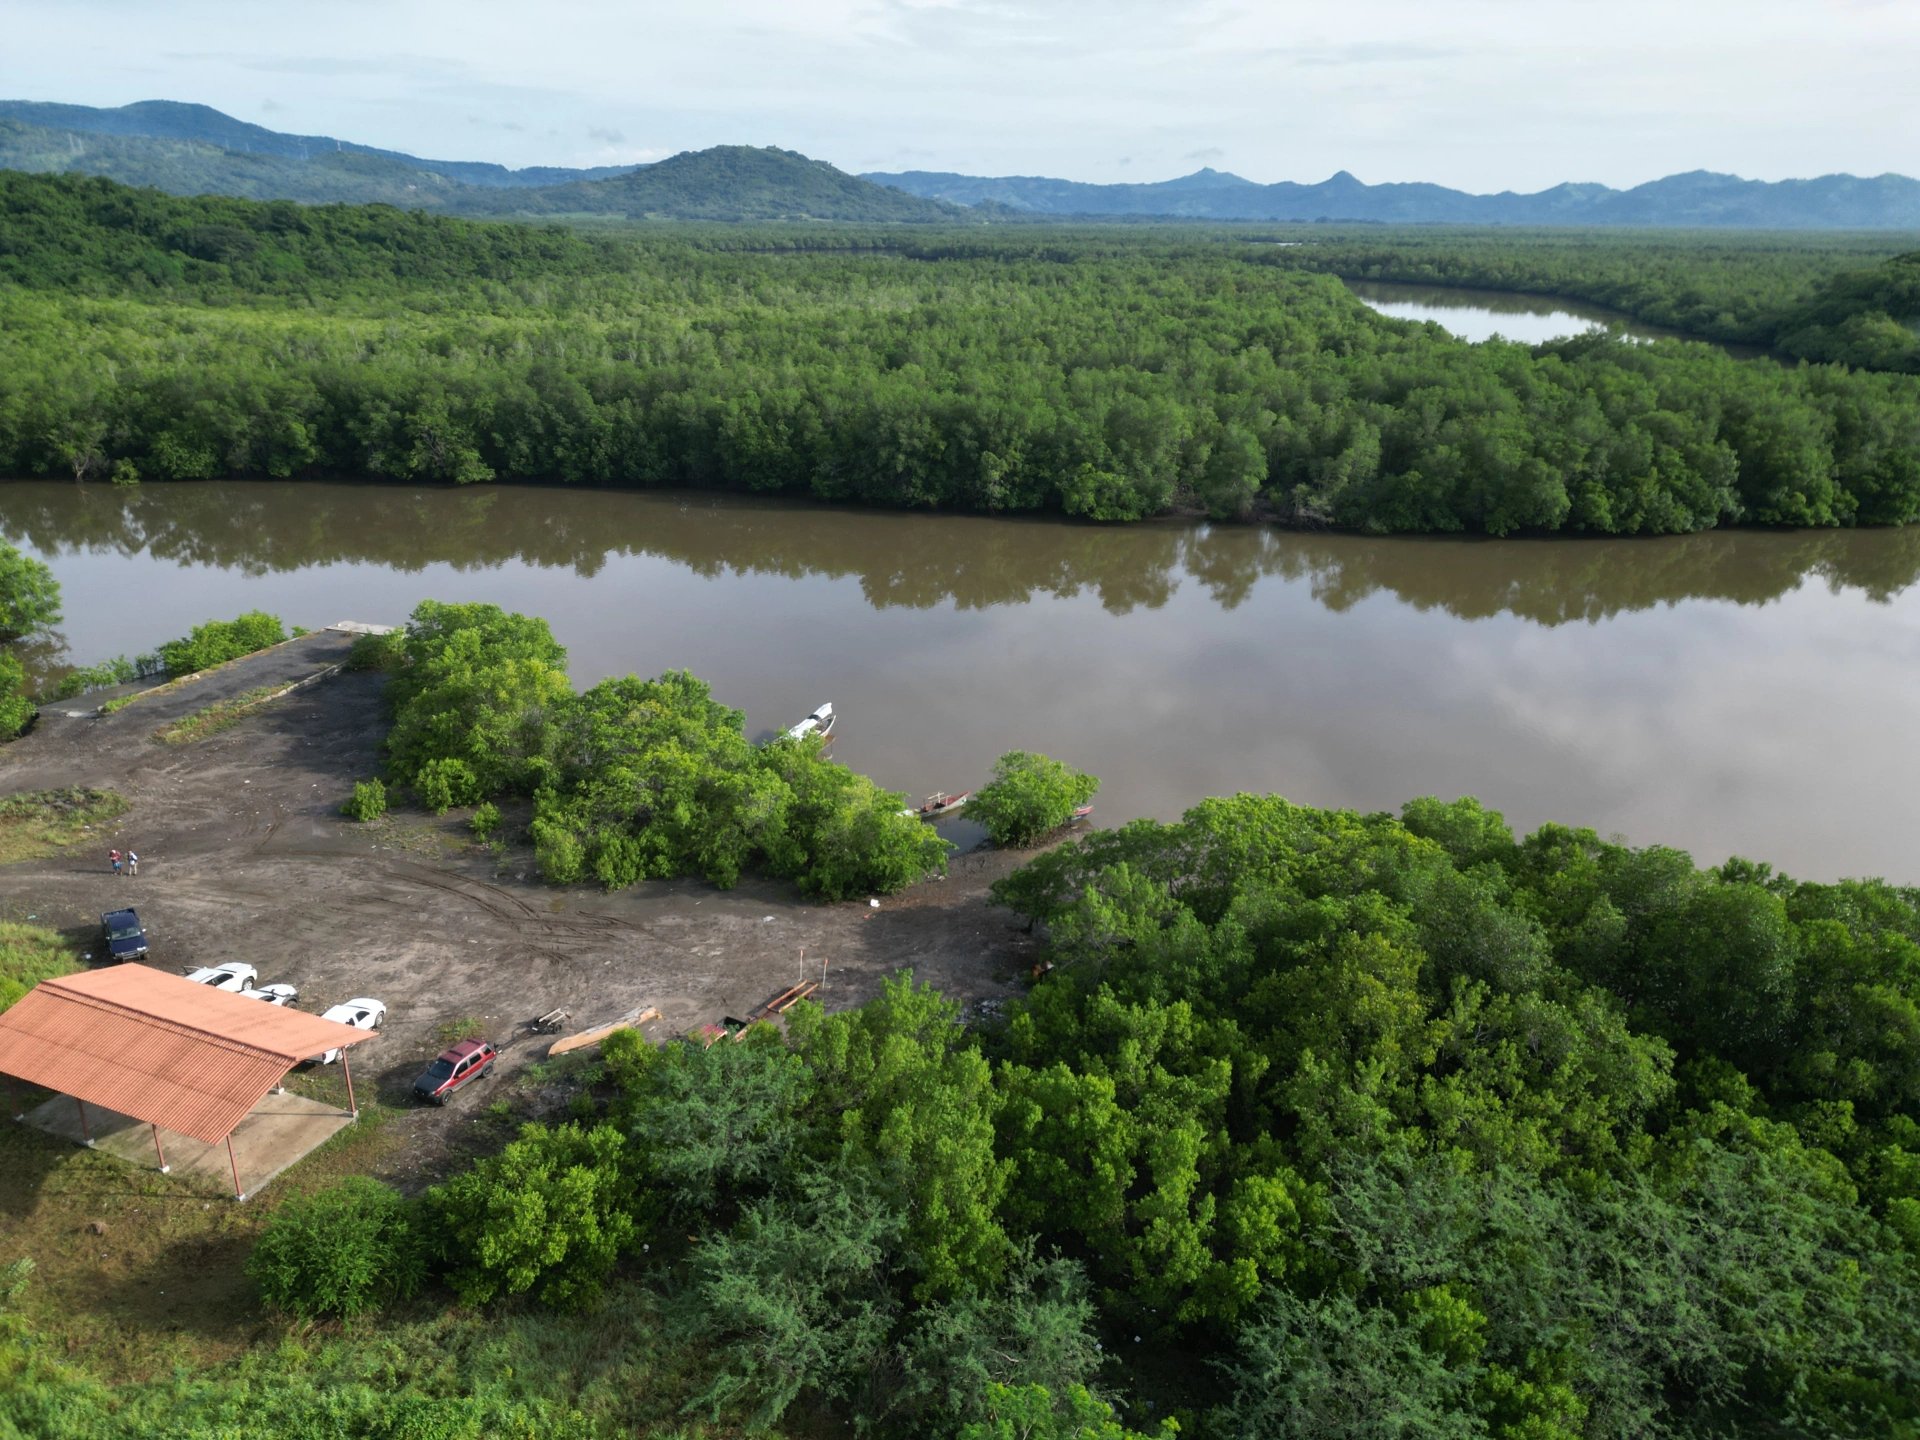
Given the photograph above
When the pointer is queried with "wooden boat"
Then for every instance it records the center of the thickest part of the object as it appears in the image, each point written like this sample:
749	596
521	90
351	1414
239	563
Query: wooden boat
1082	813
820	723
940	803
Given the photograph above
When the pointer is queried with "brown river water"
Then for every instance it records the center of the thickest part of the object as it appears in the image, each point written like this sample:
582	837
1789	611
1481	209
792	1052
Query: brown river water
1734	692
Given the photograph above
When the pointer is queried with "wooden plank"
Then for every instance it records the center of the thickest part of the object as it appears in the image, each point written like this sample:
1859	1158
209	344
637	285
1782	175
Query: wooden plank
629	1021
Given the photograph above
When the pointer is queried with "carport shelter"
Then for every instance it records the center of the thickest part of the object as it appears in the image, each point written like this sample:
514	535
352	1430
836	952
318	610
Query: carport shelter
162	1049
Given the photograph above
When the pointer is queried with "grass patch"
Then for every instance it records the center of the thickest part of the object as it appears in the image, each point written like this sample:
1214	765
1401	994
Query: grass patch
165	1285
28	955
454	1031
44	822
222	715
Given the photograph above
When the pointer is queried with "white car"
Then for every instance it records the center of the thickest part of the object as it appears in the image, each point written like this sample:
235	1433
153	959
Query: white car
361	1014
235	977
278	994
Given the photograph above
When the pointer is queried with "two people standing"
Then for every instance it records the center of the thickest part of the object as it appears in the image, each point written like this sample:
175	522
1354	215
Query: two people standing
130	861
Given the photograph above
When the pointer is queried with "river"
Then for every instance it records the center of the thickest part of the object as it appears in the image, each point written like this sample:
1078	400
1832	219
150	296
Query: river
1730	692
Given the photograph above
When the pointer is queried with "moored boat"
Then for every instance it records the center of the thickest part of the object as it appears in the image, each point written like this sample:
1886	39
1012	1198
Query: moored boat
820	723
1082	813
940	803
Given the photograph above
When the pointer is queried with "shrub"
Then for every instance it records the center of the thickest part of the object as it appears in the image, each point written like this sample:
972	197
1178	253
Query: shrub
338	1252
1028	796
443	784
219	641
117	671
29	595
377	652
485	820
16	706
552	1210
369	801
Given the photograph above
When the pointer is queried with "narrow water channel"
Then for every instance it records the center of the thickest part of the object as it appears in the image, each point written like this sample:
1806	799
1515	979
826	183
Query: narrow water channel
1732	692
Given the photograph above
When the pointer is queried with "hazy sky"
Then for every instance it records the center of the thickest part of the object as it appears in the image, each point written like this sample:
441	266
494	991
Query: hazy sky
1482	94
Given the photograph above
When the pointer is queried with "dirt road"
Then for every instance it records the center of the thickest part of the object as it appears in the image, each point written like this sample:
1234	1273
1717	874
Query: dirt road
244	856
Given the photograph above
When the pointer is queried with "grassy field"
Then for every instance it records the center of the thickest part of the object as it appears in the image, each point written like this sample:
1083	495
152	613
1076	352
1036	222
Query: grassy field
45	822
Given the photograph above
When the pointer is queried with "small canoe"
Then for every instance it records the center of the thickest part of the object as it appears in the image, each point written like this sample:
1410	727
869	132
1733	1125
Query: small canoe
631	1020
1082	813
941	803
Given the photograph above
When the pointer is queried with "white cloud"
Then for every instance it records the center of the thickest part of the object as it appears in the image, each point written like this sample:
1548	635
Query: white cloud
1485	94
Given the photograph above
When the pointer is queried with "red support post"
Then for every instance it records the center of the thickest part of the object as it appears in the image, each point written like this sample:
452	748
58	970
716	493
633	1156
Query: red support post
238	1193
85	1134
164	1167
347	1067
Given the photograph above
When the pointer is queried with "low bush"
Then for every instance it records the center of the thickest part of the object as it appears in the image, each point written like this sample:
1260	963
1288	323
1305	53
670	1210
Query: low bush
117	671
369	801
1028	796
349	1248
377	652
219	641
485	820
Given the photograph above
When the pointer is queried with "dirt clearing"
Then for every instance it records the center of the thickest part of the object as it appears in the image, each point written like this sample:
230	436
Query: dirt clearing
244	856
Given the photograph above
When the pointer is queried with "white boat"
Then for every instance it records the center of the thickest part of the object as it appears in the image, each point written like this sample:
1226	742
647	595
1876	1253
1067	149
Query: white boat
820	723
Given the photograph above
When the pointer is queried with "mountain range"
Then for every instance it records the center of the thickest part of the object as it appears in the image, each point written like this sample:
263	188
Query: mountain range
1699	197
194	149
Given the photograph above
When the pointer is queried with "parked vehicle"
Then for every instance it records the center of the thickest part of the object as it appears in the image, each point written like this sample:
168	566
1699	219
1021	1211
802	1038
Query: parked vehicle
459	1066
276	994
234	977
360	1014
820	723
126	938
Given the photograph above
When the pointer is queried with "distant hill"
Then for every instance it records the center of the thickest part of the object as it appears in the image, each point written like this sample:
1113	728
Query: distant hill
196	167
728	182
173	120
1699	198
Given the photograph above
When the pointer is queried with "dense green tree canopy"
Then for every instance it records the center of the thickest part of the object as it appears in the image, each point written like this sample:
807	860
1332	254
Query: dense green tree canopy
1102	375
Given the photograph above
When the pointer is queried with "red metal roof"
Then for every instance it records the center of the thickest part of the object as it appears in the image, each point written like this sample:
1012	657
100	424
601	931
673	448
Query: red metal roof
159	1047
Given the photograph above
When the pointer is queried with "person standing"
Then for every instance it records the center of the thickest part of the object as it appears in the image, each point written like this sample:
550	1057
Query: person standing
114	857
133	863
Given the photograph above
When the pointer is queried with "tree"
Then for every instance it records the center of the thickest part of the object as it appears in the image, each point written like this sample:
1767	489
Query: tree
1028	796
29	595
552	1212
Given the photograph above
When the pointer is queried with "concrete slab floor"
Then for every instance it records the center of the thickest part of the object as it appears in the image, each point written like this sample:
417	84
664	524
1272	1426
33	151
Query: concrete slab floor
278	1131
